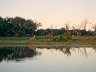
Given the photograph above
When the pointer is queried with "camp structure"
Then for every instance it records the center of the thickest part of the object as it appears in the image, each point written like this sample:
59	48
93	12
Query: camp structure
48	32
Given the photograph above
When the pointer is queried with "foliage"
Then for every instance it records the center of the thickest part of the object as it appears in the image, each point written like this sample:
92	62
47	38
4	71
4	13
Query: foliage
62	30
92	40
65	37
18	26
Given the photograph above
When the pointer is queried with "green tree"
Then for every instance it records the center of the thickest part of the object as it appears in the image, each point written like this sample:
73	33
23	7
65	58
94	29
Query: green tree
18	25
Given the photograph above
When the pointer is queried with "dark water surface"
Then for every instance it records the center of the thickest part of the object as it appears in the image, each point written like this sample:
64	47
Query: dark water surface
27	59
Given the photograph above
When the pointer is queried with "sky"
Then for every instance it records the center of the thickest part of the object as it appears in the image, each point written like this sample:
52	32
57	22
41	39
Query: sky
51	13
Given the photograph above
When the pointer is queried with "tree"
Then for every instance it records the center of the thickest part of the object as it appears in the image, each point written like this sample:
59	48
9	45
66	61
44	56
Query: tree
18	25
67	25
1	26
84	23
94	27
62	30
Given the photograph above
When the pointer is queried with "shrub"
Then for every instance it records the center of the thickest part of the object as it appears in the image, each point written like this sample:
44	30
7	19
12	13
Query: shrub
64	37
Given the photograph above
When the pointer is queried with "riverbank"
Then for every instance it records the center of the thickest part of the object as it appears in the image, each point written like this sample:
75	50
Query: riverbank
86	41
50	46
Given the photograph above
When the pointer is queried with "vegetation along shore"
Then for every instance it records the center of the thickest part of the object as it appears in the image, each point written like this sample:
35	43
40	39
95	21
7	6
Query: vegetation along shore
24	32
47	42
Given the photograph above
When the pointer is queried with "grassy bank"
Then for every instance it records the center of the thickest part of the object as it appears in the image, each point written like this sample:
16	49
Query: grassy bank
85	40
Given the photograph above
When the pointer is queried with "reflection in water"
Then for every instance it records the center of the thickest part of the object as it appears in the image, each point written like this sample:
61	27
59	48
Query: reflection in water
20	53
56	59
69	50
17	53
65	50
94	48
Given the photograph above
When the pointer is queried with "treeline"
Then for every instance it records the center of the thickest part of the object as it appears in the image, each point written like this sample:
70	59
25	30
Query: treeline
17	26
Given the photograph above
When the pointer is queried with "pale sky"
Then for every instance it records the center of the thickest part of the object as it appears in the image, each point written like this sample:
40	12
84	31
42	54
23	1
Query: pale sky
51	12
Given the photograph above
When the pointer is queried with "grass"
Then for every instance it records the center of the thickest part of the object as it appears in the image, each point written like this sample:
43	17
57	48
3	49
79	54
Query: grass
13	40
85	40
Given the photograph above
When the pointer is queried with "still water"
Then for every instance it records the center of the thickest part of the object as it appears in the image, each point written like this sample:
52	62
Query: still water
28	59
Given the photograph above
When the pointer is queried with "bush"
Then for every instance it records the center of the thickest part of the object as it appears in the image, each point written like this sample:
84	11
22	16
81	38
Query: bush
55	39
92	40
65	37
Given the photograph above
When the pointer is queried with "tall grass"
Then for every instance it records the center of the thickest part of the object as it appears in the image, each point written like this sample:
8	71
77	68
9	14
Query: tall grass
13	40
65	37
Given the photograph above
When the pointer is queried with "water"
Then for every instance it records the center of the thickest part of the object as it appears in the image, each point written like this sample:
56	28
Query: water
25	59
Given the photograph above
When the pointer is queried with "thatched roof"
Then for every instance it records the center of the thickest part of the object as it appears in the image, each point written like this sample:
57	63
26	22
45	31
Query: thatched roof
48	31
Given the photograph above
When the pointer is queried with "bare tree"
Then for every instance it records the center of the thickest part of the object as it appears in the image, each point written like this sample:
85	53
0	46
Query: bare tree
94	27
67	25
73	28
84	23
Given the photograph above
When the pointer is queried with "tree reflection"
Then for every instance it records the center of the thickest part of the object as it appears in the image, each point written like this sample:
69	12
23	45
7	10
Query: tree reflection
84	51
94	48
17	53
20	53
65	50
